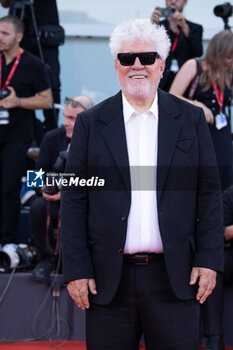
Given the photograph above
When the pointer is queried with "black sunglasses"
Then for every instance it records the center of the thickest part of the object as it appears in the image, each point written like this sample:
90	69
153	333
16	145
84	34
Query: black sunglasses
74	103
146	58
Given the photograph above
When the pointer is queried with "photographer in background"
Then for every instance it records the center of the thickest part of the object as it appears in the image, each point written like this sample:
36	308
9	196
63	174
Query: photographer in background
24	88
185	36
46	15
44	210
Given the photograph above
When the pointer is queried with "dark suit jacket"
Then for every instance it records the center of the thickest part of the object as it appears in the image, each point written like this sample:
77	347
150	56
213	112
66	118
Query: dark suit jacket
94	222
53	143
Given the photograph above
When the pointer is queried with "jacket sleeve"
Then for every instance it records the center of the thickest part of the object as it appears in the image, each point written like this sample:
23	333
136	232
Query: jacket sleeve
228	206
194	40
74	211
209	232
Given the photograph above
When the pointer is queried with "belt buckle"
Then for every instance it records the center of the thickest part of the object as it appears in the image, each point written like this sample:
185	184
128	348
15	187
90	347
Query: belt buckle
144	259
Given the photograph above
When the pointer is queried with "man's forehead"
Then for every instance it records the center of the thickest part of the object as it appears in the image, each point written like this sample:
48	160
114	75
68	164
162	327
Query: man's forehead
180	2
137	46
7	26
70	111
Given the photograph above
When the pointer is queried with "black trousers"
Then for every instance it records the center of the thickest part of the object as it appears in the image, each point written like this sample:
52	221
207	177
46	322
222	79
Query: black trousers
12	168
144	304
212	310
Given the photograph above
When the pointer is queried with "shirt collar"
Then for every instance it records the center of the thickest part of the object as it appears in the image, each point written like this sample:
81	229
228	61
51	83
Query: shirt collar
129	111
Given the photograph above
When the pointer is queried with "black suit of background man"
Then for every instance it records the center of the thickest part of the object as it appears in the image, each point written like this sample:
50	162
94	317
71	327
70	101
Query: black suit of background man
53	143
186	48
44	213
185	36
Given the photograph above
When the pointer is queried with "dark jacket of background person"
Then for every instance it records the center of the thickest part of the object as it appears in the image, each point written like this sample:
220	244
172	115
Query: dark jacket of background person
53	143
222	139
228	220
187	47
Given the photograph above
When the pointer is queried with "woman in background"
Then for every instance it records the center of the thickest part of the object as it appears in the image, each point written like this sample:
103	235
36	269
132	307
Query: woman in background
207	83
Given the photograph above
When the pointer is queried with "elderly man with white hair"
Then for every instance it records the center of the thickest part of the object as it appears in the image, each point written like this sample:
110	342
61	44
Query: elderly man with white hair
141	254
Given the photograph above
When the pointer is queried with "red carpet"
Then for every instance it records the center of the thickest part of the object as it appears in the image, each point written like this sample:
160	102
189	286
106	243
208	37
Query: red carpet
46	345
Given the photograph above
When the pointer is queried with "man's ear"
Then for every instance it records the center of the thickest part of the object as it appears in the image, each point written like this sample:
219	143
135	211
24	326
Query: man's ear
116	64
162	67
19	37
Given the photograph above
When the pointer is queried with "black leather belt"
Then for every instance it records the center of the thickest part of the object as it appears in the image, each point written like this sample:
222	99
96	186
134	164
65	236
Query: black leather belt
142	258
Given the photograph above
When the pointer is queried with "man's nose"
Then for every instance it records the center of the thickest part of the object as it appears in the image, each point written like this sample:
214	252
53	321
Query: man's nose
137	63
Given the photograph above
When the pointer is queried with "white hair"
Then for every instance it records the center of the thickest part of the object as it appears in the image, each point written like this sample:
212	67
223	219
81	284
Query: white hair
143	30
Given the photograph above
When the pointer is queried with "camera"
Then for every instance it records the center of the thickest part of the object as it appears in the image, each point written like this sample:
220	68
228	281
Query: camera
16	256
225	10
60	163
4	114
59	166
166	12
4	93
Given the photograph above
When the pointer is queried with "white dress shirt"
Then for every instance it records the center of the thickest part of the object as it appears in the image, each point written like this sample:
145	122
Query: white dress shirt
143	234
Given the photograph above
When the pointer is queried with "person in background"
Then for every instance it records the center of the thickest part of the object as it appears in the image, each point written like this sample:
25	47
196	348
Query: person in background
185	36
213	311
46	14
228	234
52	157
207	84
24	88
141	261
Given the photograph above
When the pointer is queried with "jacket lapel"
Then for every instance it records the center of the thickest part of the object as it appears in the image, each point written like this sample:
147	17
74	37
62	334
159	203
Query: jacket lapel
168	131
114	135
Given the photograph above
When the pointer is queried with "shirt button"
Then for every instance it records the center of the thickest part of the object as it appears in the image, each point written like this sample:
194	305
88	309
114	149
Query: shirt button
123	218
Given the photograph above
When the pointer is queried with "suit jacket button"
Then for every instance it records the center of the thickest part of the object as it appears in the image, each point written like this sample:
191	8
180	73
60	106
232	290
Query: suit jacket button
120	250
123	218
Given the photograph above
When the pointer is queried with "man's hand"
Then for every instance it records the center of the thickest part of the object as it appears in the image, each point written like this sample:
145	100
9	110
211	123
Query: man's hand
228	233
51	197
78	291
42	100
179	20
10	101
207	282
155	17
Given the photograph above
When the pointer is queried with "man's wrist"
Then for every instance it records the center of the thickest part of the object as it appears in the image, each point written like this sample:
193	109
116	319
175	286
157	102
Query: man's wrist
19	102
185	29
